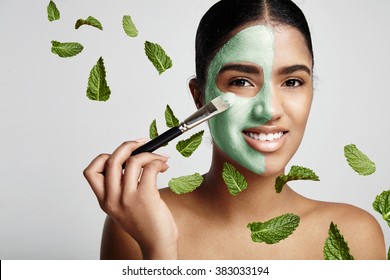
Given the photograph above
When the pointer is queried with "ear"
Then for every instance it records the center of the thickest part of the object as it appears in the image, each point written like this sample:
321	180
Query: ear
196	92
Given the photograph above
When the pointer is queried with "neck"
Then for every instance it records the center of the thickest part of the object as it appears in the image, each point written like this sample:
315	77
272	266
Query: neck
259	199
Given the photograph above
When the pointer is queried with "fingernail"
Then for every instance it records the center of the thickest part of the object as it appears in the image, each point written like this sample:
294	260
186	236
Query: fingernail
141	140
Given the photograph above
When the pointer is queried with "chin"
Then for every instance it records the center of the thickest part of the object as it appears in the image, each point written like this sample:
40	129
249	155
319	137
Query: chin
275	166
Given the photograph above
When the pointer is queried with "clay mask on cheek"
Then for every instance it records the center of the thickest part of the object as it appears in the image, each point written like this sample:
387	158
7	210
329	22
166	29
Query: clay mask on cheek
256	45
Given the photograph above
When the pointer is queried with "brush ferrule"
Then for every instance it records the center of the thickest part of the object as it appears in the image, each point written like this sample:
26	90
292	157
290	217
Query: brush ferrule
203	114
183	127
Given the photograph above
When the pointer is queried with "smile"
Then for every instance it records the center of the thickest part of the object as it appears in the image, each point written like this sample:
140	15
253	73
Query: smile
265	137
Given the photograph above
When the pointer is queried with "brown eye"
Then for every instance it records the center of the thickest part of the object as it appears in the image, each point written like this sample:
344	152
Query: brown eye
241	83
293	83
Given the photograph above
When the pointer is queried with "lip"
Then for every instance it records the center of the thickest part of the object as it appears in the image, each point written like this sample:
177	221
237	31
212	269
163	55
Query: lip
266	146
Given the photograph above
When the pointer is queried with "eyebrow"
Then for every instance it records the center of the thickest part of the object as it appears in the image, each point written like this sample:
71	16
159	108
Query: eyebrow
294	68
249	69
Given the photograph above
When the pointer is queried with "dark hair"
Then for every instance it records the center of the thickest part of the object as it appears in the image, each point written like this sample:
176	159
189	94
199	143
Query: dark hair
226	15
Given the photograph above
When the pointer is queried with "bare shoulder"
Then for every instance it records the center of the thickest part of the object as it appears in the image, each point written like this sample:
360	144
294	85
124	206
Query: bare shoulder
182	206
117	244
359	228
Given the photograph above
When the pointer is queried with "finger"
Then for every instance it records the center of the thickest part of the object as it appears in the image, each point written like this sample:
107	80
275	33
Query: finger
113	170
148	181
94	175
134	167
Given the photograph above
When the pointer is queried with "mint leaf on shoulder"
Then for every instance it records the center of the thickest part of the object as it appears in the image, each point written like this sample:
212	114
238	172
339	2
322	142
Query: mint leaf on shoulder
158	57
188	146
52	12
358	160
233	179
274	230
98	90
185	184
129	26
336	248
67	49
89	21
295	173
382	205
170	118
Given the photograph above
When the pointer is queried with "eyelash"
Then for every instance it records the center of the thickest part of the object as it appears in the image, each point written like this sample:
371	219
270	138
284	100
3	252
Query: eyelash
236	81
240	80
300	83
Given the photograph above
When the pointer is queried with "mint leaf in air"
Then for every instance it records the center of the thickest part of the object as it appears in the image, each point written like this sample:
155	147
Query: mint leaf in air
234	180
185	184
388	254
52	12
274	230
336	248
153	133
296	173
158	57
129	26
67	49
382	205
170	118
188	146
98	89
358	161
89	21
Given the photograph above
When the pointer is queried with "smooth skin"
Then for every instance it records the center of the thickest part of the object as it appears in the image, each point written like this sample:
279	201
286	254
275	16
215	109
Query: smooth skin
144	222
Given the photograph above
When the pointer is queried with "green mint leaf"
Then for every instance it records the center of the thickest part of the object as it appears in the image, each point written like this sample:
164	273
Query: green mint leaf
170	118
188	146
358	161
382	205
296	173
388	254
153	133
89	21
129	26
98	89
158	57
68	49
336	248
274	230
52	12
185	184
234	180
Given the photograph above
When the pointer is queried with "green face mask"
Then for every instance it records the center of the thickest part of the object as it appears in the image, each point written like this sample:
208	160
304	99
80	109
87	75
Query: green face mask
256	45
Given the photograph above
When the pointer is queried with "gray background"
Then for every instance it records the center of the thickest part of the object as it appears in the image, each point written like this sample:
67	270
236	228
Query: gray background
50	131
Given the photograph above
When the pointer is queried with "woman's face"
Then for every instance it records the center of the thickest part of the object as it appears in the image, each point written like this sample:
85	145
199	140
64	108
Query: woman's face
270	71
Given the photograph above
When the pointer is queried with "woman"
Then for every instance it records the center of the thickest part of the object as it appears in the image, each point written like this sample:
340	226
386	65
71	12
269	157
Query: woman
261	50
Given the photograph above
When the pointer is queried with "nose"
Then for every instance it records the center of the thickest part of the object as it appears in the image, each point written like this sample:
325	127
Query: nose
270	106
276	104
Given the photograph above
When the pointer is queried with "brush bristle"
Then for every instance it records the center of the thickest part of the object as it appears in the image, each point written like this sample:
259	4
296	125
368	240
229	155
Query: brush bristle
224	101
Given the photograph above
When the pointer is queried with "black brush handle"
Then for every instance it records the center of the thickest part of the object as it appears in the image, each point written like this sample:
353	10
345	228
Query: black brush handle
157	142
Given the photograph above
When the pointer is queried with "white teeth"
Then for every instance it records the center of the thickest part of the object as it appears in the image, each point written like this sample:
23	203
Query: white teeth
265	137
262	137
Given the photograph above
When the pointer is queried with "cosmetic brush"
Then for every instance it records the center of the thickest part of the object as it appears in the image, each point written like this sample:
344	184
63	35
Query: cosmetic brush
214	107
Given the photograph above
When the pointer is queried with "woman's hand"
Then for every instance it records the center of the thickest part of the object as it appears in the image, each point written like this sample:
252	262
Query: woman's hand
132	200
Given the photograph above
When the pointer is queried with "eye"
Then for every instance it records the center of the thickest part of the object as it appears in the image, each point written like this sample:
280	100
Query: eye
241	82
293	83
